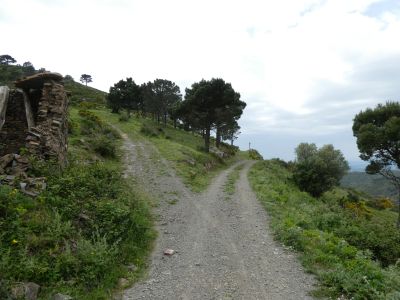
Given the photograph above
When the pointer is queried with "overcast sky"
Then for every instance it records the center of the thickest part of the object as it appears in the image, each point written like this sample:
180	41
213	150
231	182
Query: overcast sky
304	67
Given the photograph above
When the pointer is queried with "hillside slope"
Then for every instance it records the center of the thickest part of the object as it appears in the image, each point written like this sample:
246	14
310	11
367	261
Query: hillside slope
353	249
82	93
183	149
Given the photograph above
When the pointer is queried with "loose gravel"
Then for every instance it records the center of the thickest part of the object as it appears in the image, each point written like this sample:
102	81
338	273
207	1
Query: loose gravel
223	248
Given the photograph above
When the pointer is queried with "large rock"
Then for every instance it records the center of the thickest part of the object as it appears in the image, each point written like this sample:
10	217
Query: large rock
60	296
14	164
27	291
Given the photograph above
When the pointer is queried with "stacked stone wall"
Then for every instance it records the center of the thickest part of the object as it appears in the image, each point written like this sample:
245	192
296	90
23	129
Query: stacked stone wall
48	139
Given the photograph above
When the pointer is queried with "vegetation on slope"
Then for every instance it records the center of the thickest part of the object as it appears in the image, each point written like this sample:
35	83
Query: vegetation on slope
81	234
375	185
83	94
183	149
208	105
353	249
10	73
79	92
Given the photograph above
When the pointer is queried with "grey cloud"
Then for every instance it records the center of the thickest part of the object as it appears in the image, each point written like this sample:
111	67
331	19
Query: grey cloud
370	83
332	108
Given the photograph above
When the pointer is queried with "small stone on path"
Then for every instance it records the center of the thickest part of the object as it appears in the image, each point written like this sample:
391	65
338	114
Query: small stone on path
123	282
169	252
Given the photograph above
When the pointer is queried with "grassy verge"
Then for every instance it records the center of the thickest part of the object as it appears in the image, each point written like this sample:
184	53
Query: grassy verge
88	229
183	149
351	249
230	187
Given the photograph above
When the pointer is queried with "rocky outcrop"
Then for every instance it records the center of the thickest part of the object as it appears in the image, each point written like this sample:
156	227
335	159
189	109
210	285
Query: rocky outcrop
26	291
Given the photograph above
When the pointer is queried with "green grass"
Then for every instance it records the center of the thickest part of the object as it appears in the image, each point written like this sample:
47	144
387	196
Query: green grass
230	185
183	149
81	234
343	243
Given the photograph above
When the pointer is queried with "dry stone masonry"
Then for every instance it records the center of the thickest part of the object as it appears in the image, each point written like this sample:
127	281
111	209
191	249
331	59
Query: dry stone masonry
33	117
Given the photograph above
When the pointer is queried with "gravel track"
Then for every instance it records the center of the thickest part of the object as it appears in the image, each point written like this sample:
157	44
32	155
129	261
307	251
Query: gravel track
224	249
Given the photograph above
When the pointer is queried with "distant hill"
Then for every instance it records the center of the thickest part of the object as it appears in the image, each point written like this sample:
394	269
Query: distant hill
375	185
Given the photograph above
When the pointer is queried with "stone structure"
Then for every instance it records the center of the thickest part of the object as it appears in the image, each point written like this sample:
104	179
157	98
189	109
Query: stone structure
34	117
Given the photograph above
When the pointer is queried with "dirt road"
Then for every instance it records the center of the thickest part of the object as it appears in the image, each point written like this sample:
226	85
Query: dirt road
224	249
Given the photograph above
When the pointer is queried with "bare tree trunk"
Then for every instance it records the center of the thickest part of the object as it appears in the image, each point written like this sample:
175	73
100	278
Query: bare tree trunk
218	138
207	140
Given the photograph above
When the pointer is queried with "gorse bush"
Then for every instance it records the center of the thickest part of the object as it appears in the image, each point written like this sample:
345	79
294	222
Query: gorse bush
382	203
87	105
352	252
254	154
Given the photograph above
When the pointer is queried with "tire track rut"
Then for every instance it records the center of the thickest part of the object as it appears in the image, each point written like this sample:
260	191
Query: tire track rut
224	249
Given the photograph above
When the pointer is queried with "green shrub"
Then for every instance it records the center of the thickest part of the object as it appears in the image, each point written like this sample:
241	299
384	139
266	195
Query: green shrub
124	117
254	154
101	136
318	170
150	130
90	123
104	146
229	150
72	126
84	105
96	257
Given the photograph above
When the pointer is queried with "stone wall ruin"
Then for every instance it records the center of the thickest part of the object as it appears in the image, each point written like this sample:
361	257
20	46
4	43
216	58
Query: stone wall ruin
33	116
